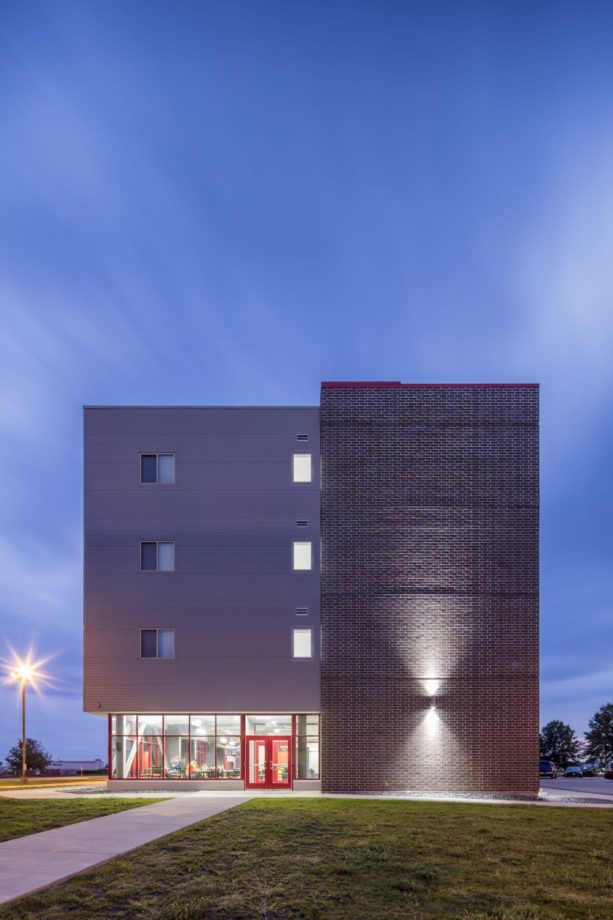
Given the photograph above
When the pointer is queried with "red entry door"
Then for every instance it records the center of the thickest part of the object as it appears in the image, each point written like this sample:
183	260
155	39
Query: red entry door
279	750
257	763
269	762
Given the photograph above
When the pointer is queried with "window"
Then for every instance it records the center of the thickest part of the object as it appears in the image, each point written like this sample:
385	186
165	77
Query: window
157	468
176	725
302	556
302	468
176	746
157	643
307	747
202	747
302	644
228	747
148	643
166	643
157	556
268	725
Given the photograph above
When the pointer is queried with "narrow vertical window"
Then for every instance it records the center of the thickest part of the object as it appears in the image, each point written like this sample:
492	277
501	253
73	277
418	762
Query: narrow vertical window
302	468
307	747
166	557
148	468
148	643
148	557
302	556
166	468
166	643
302	643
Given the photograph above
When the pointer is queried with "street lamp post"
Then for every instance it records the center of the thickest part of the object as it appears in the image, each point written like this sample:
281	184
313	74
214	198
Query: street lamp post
24	760
23	673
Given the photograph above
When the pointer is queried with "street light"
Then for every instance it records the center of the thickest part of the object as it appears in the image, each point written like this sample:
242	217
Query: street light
25	671
23	674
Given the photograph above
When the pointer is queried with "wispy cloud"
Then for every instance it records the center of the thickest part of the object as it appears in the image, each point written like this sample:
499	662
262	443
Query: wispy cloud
589	684
565	285
39	585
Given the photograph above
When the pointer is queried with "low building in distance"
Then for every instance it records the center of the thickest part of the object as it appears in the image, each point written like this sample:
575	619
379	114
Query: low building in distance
74	767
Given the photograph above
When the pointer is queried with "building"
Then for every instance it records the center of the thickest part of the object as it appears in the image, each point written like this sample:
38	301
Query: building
341	596
75	767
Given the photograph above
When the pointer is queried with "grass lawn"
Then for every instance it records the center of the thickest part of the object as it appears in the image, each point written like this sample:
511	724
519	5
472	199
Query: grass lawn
19	817
324	858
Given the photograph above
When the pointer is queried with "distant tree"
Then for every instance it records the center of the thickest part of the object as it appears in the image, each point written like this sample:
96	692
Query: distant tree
559	743
599	739
36	756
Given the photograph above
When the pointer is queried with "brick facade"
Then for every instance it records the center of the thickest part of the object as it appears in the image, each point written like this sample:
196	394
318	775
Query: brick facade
429	581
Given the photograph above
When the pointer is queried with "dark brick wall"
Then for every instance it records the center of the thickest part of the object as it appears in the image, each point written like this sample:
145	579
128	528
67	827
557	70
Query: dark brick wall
429	579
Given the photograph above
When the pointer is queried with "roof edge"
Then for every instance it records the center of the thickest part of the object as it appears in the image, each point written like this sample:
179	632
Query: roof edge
219	407
396	383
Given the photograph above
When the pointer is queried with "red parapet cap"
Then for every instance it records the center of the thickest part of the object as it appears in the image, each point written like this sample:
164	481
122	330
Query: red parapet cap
361	383
396	383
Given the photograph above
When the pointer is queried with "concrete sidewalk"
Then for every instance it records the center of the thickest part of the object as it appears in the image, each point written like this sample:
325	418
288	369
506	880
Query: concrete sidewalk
30	863
551	796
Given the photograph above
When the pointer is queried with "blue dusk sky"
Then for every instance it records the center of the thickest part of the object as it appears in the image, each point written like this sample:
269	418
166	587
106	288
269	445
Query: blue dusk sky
227	202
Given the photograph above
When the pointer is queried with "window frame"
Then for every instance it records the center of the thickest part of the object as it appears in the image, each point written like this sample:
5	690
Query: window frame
156	630
157	570
311	656
157	454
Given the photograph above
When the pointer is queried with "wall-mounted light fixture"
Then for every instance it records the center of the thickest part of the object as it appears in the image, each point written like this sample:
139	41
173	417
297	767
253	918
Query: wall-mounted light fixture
431	685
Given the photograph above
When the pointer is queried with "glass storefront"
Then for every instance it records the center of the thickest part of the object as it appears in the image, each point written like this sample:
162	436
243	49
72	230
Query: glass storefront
176	747
211	747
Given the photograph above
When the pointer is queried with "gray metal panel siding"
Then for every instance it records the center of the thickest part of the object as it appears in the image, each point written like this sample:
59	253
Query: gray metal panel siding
232	598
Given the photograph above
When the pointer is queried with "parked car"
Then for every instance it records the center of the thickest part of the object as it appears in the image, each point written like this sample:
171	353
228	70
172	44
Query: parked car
589	769
608	774
574	771
548	768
